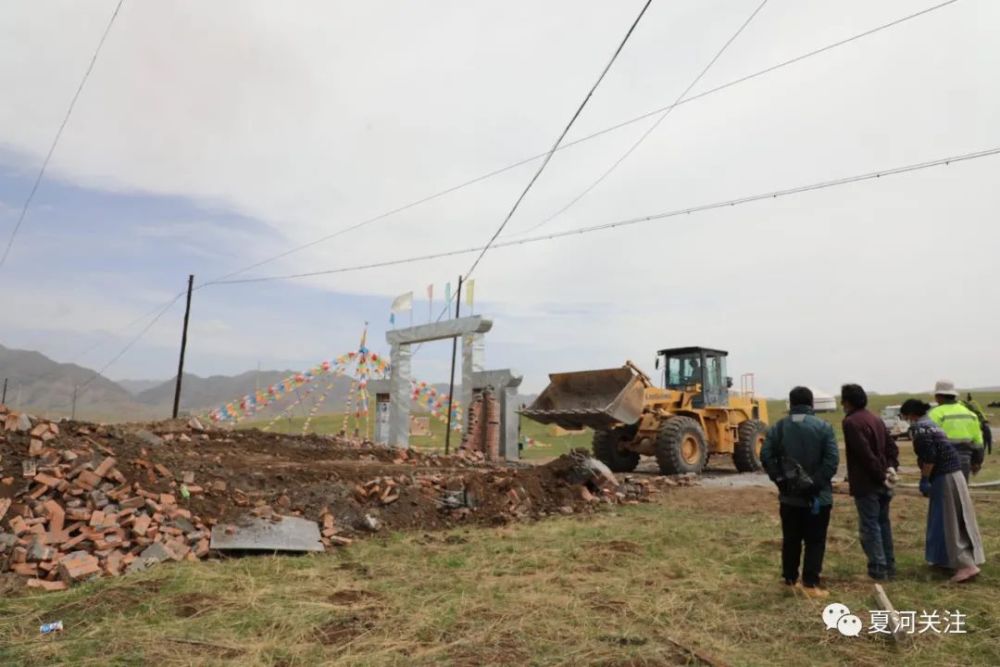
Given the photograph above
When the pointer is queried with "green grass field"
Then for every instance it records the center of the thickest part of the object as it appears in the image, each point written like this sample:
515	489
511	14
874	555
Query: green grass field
548	445
689	579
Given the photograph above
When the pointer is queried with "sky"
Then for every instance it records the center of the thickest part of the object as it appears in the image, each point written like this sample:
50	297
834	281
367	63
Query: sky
211	136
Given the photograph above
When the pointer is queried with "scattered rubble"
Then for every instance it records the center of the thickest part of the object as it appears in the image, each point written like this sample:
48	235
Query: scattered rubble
80	500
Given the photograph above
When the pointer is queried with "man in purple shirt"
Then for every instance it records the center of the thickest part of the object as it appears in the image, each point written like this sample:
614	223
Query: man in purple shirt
871	455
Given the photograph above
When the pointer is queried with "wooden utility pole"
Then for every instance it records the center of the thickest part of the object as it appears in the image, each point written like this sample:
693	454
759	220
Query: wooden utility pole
451	381
4	399
184	340
73	412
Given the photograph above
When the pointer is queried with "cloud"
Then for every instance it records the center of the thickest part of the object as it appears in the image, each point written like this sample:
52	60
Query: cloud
212	135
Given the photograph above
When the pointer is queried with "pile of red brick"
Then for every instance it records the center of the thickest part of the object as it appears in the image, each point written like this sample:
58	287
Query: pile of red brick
69	514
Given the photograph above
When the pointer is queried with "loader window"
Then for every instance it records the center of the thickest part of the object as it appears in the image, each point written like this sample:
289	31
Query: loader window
713	373
714	390
673	372
683	371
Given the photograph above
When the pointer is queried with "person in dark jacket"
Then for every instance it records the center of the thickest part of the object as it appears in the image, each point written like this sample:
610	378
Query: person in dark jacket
872	461
809	441
953	541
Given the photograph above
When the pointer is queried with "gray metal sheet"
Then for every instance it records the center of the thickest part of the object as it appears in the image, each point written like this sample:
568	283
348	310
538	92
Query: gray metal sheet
254	534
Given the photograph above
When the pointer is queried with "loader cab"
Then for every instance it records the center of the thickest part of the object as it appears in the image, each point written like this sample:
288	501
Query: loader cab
698	370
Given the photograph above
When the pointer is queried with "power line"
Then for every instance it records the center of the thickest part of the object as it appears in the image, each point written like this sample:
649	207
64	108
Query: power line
562	136
55	141
227	278
128	326
663	115
578	231
88	350
638	220
568	144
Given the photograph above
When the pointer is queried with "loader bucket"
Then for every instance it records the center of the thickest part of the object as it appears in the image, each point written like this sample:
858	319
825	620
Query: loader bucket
600	399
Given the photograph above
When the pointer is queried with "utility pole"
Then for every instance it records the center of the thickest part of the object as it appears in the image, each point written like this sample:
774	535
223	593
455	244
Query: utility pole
73	414
184	340
4	399
451	381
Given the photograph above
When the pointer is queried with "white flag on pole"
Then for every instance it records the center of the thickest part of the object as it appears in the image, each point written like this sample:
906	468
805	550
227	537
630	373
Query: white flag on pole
402	303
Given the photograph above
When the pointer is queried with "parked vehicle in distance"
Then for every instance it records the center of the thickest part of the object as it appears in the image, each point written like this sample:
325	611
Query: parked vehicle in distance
898	427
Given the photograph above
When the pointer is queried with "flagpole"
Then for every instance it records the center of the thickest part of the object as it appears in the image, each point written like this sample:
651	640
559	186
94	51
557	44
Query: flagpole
451	381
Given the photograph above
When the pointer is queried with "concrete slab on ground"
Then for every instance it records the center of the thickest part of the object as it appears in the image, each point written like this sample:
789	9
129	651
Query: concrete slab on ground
254	534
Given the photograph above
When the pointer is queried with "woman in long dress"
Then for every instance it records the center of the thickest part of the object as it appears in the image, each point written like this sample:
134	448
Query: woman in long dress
953	540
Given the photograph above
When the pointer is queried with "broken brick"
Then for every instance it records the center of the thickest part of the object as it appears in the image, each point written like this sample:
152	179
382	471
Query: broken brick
18	525
56	514
105	467
25	569
47	585
132	503
113	563
141	525
77	566
88	480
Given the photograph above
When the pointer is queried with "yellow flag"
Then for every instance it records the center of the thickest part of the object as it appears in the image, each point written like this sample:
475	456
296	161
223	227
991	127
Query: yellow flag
470	293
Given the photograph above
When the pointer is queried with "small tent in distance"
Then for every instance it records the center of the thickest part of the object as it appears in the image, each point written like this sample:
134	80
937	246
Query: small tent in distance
822	401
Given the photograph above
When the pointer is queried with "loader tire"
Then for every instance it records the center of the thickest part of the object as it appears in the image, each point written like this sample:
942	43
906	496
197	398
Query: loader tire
680	446
607	451
746	454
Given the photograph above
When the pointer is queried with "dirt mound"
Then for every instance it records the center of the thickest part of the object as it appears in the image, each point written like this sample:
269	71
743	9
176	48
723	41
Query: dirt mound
80	500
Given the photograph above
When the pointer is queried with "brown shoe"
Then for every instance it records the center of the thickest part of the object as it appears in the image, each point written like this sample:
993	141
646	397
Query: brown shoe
814	592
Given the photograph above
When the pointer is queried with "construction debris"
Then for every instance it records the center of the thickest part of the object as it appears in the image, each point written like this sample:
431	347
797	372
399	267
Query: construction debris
79	500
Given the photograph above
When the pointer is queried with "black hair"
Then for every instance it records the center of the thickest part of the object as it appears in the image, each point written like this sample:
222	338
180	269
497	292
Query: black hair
800	396
855	395
914	407
945	399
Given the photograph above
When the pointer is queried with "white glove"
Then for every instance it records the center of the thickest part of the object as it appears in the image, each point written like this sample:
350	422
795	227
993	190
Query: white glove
891	477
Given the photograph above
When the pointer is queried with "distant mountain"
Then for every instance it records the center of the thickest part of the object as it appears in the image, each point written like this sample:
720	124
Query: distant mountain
39	384
198	393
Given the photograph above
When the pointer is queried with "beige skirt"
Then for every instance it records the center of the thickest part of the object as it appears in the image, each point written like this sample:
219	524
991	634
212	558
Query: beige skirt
953	538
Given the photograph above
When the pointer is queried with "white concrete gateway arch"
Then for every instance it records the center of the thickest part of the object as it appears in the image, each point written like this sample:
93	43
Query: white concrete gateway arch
471	330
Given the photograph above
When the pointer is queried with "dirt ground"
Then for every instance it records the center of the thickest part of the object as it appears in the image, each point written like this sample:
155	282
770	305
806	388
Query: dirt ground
366	488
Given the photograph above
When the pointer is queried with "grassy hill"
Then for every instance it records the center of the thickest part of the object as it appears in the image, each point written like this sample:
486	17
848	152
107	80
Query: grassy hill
39	384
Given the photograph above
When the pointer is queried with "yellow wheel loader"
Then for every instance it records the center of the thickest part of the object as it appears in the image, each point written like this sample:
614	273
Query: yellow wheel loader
693	415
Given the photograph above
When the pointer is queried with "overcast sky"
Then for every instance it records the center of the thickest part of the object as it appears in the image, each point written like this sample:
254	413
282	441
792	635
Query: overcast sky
213	135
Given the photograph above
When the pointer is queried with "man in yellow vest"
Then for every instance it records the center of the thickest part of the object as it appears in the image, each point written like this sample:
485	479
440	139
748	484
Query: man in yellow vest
961	425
